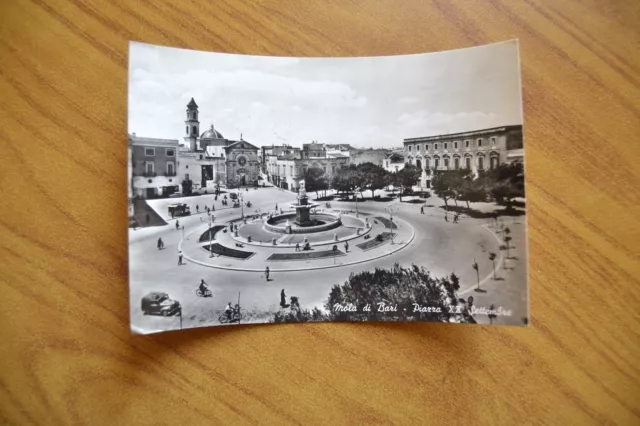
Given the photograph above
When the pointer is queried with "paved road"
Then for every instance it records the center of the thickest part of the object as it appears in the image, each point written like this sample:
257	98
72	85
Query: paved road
441	247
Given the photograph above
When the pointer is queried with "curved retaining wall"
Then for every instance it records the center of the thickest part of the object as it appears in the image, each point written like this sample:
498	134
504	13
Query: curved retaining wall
280	229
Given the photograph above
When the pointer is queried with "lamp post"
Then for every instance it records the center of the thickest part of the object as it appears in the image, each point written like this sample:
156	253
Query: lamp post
211	219
241	198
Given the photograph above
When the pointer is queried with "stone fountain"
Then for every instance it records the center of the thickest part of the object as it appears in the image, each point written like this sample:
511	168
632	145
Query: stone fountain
303	208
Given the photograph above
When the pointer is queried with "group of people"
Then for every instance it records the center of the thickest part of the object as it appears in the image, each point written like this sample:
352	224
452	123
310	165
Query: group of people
456	215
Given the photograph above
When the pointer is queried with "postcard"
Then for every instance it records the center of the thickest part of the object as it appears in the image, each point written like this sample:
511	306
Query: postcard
284	189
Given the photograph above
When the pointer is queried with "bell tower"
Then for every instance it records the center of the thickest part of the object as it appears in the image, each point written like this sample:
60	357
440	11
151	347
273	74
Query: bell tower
192	125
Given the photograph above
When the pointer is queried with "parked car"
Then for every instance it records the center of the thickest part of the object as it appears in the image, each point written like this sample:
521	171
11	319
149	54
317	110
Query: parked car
179	209
233	195
176	195
158	303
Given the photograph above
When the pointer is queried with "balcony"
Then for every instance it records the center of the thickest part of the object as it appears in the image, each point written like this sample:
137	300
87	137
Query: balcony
170	174
149	174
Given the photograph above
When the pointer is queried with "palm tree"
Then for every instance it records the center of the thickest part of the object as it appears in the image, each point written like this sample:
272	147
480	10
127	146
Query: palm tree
492	258
507	238
475	266
503	248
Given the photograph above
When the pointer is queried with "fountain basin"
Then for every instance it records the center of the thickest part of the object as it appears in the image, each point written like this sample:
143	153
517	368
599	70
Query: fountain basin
318	222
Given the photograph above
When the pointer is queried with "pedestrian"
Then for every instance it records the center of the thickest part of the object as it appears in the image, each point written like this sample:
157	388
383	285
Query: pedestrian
177	225
213	207
266	273
346	246
276	207
179	257
297	246
216	198
446	218
283	298
421	209
455	218
160	244
197	208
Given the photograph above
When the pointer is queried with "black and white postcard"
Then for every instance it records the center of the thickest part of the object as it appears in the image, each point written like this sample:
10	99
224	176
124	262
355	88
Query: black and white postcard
280	189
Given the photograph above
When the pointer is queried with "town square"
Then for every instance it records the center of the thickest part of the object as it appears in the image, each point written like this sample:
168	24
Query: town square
229	224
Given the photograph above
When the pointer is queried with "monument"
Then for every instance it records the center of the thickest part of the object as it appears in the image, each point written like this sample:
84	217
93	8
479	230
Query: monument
303	208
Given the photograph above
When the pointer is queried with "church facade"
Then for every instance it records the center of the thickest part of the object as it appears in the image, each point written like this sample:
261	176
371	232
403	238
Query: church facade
208	160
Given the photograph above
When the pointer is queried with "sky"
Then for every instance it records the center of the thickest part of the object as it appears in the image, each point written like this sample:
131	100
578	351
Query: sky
366	101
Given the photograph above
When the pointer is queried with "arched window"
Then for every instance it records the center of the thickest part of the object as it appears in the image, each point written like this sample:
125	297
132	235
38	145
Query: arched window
194	131
436	162
480	163
494	162
468	163
456	163
419	164
187	130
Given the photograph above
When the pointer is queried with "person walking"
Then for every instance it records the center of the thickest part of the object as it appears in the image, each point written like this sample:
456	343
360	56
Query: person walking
213	207
276	207
177	225
179	257
160	244
283	299
446	218
421	209
197	208
266	273
455	218
346	246
297	246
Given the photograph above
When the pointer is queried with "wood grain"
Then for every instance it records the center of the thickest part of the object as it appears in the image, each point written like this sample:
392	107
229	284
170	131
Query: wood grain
67	356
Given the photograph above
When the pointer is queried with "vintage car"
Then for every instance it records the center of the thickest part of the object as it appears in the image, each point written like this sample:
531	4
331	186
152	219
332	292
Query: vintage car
158	303
233	195
179	209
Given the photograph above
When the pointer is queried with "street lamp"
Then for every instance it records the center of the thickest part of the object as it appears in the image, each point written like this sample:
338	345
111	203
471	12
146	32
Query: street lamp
211	219
241	198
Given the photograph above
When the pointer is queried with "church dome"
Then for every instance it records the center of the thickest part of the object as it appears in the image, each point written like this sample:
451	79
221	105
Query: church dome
211	134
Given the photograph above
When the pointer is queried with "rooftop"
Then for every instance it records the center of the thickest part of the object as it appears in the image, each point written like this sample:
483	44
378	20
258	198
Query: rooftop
464	134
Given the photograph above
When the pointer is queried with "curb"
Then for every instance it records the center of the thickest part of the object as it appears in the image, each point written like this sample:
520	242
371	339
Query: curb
228	268
488	277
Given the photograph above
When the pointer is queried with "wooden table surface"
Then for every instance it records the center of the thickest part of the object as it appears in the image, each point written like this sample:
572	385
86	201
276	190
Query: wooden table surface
66	353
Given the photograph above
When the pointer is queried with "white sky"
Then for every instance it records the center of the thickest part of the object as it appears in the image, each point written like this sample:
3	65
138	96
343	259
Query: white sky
366	102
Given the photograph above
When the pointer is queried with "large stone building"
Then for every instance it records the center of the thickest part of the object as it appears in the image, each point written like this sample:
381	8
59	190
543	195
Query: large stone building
476	150
393	163
211	159
153	166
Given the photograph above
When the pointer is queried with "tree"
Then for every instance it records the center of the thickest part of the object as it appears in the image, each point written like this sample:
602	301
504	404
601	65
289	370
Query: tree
406	178
444	184
475	266
314	180
472	190
187	187
407	292
506	182
503	248
492	258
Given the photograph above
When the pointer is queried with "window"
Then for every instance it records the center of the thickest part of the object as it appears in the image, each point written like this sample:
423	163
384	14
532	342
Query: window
186	176
186	167
446	145
417	147
171	169
201	156
494	162
446	163
456	163
493	141
291	170
435	146
149	168
150	152
479	142
170	152
455	145
187	131
409	147
480	163
428	184
468	162
333	168
466	144
194	131
437	163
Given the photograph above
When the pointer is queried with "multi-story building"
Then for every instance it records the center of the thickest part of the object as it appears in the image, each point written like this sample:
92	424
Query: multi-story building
153	167
211	159
393	163
286	167
476	150
130	180
375	156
